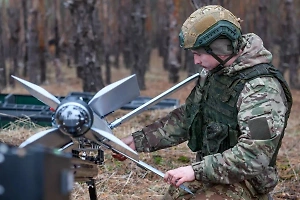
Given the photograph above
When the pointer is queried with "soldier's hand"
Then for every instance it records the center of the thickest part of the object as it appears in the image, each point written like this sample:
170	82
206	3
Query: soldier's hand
180	175
118	156
130	142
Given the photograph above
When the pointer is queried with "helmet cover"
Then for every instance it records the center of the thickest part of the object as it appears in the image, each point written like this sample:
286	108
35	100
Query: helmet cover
207	24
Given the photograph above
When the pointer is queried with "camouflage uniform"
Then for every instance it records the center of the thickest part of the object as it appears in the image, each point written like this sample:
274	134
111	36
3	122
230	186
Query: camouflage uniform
243	170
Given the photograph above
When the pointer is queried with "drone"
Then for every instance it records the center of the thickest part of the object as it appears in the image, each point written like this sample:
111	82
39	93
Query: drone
80	126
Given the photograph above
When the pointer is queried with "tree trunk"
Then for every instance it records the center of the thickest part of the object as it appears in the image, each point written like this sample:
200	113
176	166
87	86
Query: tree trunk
108	42
262	22
116	27
57	22
173	50
126	21
99	37
14	31
25	25
41	39
74	43
82	14
56	54
140	46
3	79
289	47
67	36
113	31
34	71
163	37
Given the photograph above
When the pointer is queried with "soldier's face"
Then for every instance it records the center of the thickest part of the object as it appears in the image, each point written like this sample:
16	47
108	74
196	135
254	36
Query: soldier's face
205	60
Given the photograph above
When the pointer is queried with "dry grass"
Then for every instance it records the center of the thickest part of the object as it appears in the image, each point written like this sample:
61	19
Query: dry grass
288	162
125	180
18	131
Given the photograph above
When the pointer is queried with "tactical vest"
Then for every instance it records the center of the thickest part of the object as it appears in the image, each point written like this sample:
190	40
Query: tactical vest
211	110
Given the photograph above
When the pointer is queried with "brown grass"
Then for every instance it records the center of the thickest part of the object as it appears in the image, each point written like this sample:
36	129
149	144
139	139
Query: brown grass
125	180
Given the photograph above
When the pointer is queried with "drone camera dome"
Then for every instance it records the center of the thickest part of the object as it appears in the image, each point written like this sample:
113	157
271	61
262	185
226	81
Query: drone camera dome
74	117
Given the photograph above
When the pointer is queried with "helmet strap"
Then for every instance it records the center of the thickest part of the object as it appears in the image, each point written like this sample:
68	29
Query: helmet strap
222	62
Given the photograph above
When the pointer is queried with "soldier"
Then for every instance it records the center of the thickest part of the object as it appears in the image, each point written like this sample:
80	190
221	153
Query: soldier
234	118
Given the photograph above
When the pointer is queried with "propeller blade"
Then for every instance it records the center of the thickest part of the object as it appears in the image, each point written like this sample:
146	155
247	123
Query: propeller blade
111	142
39	93
51	138
101	124
115	95
153	101
117	145
120	147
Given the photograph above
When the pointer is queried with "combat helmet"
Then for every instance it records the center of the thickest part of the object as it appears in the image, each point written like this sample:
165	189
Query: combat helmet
208	24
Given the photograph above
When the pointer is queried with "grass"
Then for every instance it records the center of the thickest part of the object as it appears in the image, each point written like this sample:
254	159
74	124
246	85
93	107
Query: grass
125	180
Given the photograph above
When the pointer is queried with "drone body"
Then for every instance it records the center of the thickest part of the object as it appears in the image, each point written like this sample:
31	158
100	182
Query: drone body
78	124
74	119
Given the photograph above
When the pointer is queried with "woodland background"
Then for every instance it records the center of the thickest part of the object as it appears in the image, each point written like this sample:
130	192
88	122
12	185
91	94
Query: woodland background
83	45
95	35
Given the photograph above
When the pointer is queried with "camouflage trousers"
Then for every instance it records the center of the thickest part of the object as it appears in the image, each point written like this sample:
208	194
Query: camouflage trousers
214	192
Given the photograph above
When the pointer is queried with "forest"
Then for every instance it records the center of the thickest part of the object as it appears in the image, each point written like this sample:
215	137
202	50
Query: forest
85	45
95	35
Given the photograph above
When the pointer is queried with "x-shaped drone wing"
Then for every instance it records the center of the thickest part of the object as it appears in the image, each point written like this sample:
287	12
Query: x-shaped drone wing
76	119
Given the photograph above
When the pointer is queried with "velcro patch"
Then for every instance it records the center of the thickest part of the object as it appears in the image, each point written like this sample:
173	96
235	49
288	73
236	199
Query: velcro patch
259	129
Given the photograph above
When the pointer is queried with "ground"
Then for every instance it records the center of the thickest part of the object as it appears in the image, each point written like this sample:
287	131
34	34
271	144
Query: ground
125	180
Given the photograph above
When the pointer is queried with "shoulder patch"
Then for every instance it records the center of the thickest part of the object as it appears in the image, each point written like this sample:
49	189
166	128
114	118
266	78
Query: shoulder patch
259	128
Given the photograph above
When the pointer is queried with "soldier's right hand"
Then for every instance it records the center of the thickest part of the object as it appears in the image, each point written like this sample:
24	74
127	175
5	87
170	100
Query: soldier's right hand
128	141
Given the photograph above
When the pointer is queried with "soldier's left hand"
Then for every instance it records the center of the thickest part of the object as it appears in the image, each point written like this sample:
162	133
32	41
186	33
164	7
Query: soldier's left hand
180	175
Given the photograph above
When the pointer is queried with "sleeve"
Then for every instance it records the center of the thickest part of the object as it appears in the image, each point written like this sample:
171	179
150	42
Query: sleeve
261	97
165	132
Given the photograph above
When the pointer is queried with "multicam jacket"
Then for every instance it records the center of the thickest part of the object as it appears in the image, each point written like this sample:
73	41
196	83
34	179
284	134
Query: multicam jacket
247	156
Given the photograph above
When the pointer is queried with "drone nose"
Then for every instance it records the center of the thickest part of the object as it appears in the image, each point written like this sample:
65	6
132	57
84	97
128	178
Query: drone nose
73	118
